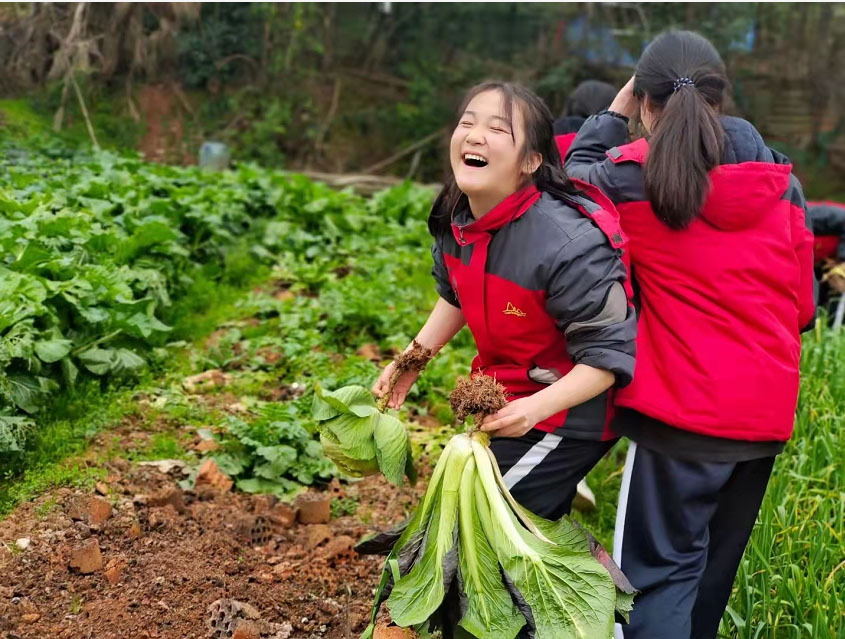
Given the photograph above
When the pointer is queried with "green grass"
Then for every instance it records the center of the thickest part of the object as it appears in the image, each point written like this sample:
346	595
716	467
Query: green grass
29	121
75	417
791	582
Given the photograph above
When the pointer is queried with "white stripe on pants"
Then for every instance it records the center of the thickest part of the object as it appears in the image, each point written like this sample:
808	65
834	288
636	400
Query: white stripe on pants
621	511
530	460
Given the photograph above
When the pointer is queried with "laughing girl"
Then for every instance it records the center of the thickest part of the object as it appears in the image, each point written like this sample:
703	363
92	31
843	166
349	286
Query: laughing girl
532	263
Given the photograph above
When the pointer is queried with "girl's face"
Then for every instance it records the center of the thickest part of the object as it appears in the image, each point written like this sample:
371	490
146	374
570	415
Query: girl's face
485	152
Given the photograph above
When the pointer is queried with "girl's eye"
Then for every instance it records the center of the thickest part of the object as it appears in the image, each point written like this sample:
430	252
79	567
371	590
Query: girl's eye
465	123
499	129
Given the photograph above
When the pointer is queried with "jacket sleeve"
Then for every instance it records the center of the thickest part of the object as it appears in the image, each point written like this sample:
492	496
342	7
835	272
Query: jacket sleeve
802	243
587	299
828	219
441	275
587	158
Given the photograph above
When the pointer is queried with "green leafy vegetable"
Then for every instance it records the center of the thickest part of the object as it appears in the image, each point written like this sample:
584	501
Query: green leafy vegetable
360	439
472	557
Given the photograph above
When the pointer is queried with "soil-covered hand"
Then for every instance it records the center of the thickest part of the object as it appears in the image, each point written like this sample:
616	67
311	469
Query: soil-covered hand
514	420
400	389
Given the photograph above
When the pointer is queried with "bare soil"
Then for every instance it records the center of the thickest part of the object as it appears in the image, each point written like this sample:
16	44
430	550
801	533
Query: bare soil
167	555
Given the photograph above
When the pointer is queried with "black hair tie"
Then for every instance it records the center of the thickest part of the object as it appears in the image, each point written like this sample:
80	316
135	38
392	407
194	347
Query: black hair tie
682	82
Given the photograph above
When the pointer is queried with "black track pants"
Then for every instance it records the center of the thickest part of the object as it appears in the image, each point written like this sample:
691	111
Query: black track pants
542	470
681	530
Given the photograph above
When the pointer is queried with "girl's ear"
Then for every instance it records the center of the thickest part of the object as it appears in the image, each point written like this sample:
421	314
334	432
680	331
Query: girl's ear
532	163
647	115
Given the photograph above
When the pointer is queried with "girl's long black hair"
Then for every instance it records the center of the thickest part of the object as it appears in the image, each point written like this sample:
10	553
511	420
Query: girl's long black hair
684	79
539	138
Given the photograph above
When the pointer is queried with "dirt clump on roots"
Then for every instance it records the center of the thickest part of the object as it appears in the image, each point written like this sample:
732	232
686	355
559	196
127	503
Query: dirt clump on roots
479	396
415	358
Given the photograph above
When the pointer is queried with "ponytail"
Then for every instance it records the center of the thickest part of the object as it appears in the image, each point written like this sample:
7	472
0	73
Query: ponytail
684	79
686	145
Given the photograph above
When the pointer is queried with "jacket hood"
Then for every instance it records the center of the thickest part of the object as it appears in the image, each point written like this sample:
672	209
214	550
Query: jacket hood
750	181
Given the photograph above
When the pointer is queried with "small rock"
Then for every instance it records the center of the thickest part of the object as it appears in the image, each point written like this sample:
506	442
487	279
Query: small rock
246	630
23	543
75	508
166	466
316	535
211	478
284	515
86	558
31	617
266	578
263	503
101	488
134	530
314	508
384	631
249	611
207	446
163	517
99	510
114	574
172	496
339	547
207	381
285	569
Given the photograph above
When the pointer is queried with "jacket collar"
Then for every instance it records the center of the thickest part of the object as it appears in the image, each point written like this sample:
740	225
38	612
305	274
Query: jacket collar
506	211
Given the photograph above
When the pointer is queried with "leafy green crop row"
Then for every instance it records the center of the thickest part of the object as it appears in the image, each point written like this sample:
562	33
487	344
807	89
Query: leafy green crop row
96	248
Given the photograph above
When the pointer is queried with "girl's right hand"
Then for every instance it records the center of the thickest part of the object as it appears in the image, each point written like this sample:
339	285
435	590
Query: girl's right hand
400	389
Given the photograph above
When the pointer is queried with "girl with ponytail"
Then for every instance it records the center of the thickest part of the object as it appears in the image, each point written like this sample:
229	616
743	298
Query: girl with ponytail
722	267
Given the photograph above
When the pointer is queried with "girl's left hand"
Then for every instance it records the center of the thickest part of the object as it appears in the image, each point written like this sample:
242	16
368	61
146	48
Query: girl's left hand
626	103
514	420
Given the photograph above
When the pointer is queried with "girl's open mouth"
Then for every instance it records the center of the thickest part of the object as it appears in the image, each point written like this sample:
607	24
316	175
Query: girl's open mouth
474	160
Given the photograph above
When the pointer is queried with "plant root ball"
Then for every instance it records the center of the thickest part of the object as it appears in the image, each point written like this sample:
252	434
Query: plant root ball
480	396
415	358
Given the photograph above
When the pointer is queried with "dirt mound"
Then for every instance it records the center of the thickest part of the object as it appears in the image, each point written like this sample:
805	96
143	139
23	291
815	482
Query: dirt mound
158	563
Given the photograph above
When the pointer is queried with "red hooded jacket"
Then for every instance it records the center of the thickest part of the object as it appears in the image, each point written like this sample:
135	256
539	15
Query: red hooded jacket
723	301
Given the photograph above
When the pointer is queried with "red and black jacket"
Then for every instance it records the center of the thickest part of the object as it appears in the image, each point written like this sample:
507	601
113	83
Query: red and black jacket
542	286
827	221
723	301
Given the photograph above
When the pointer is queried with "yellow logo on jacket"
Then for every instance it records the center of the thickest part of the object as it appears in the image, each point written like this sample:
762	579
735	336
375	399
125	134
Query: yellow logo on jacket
510	309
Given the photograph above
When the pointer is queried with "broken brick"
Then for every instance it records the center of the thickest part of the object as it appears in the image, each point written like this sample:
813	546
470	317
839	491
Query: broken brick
316	535
284	515
393	632
246	630
339	547
114	574
172	496
207	446
87	558
99	510
211	478
314	508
